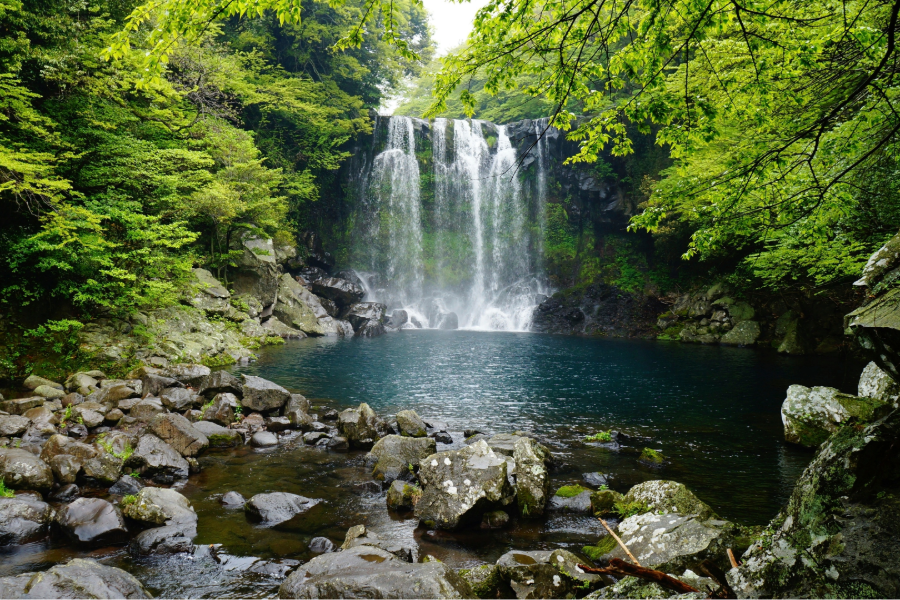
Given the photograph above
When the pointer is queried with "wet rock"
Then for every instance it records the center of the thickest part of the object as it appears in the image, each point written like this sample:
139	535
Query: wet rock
460	485
571	498
744	333
168	539
340	291
669	496
263	439
233	500
495	519
147	409
21	405
103	469
503	443
126	486
276	424
410	424
398	319
177	399
33	382
368	572
299	419
338	444
393	456
218	436
23	519
532	478
875	383
66	493
313	437
603	502
810	415
113	417
13	425
837	535
46	391
160	506
321	545
221	411
545	574
63	445
485	581
360	535
263	395
72	399
178	432
78	578
155	458
92	522
22	470
403	496
191	375
361	426
370	329
361	313
296	402
81	381
596	479
276	507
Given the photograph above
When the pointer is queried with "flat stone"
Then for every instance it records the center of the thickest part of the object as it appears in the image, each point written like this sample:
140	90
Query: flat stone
277	507
263	395
92	522
263	439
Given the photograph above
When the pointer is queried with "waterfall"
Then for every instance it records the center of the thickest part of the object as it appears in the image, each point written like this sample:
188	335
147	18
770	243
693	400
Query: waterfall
471	257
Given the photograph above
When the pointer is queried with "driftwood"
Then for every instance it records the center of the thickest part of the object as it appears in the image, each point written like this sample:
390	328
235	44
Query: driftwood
619	567
621	543
710	569
731	559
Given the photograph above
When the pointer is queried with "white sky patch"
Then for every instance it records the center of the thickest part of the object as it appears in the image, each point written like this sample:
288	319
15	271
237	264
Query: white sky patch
452	22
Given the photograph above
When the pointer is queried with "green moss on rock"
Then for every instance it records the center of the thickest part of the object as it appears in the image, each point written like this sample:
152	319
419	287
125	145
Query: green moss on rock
570	491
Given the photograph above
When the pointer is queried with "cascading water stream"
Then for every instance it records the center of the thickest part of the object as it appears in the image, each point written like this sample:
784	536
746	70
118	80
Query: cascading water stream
478	264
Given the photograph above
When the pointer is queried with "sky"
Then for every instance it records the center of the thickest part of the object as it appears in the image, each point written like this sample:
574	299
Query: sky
452	21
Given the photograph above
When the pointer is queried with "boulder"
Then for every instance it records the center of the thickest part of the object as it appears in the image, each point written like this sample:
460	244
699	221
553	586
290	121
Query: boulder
221	409
410	424
503	443
178	432
48	392
571	498
875	383
461	485
152	384
299	419
160	506
603	502
485	581
360	535
297	402
209	285
368	572
277	507
744	333
13	425
361	313
361	426
393	456
22	470
546	574
88	416
276	424
297	308
103	469
65	493
810	415
837	535
147	409
340	291
532	478
23	519
191	375
403	495
155	458
398	319
370	329
65	467
221	382
21	405
92	522
81	381
596	479
218	436
168	539
448	321
78	578
263	395
177	398
126	486
233	500
263	439
662	496
33	382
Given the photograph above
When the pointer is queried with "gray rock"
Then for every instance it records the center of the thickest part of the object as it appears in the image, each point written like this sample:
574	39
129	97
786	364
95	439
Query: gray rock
410	424
60	444
837	535
361	313
178	432
21	405
398	319
126	486
299	419
153	384
448	321
532	478
218	436
221	410
92	522
810	415
65	468
368	572
669	496
155	458
263	395
361	426
360	535
370	329
579	503
33	382
297	402
221	382
79	381
177	399
66	493
160	506
23	519
744	333
103	469
460	485
191	375
321	545
13	425
78	578
46	391
22	470
233	500
209	285
168	539
147	409
596	479
875	383
393	455
276	424
313	437
545	574
340	291
403	496
277	507
263	439
503	443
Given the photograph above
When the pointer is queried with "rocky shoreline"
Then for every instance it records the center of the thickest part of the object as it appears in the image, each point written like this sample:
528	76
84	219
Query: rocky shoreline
97	462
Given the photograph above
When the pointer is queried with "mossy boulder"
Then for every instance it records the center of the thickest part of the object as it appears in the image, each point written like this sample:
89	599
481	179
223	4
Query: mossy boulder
663	496
603	501
403	496
811	415
651	457
486	582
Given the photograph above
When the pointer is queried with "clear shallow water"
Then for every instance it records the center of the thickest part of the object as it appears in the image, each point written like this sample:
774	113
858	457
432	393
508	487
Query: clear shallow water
714	413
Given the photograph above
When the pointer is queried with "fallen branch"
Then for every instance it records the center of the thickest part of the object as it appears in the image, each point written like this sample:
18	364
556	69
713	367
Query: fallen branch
619	567
710	569
734	563
621	543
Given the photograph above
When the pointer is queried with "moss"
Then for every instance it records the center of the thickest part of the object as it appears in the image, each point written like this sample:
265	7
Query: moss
604	546
4	491
220	360
129	500
219	440
603	501
629	509
570	491
484	580
600	436
650	455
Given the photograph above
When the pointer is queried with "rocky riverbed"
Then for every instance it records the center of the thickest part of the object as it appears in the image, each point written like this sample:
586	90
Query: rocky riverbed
106	480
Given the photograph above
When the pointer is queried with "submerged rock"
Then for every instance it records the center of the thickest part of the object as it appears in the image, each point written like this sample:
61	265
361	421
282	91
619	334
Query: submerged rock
78	578
277	507
461	485
810	415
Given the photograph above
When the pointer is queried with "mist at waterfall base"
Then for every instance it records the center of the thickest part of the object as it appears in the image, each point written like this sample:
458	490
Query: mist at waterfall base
454	241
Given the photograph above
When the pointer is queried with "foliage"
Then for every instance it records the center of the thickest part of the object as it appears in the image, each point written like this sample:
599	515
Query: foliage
629	509
600	436
128	500
4	491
